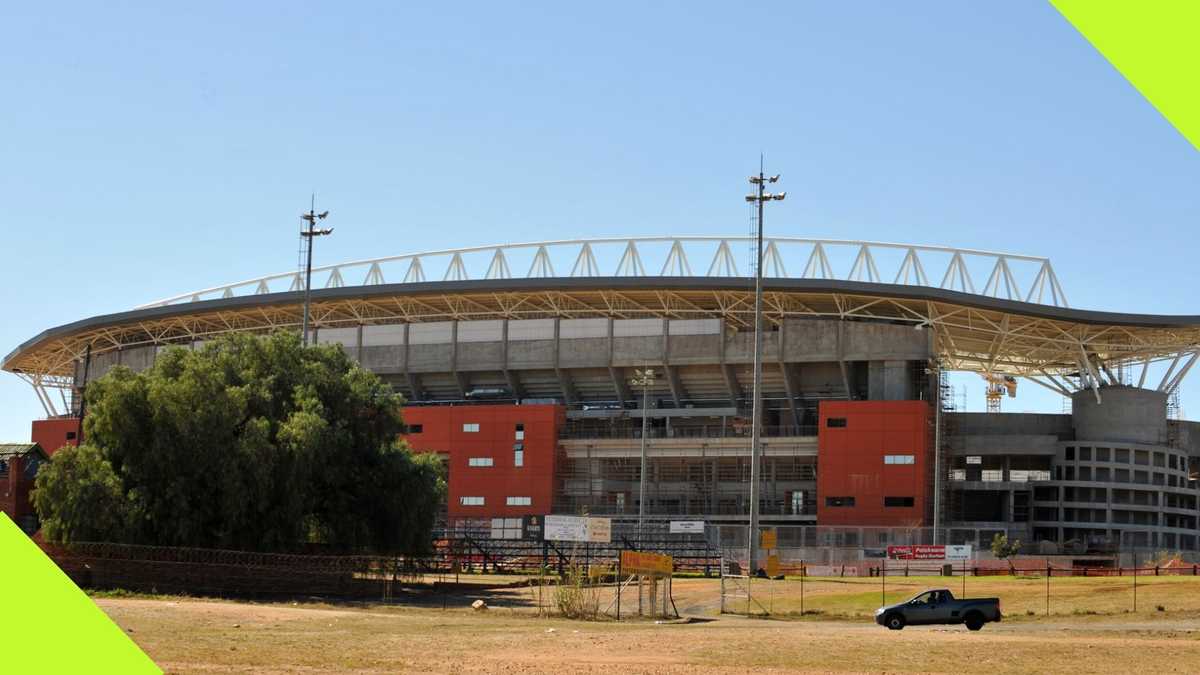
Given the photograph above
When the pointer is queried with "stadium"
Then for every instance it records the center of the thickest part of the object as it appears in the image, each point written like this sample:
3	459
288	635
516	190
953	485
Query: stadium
532	384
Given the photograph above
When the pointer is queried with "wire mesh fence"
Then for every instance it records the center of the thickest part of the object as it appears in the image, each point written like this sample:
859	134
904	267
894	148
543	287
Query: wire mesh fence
710	569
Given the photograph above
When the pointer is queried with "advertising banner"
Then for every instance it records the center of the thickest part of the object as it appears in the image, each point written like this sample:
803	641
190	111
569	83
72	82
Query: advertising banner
575	528
930	552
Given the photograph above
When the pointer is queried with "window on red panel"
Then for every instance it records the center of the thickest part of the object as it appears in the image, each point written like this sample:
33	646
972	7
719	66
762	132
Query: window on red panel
414	429
898	501
839	501
835	422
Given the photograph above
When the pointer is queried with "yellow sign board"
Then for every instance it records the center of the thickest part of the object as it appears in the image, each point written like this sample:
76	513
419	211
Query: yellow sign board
638	562
773	565
767	539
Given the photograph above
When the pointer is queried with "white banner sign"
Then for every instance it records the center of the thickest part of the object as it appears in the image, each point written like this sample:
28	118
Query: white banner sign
687	527
958	552
574	528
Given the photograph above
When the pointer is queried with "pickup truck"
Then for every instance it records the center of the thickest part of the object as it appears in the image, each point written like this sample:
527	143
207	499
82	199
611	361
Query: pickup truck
939	607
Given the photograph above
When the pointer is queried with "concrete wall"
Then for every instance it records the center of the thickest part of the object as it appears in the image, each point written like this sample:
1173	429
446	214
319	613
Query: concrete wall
708	357
1126	414
984	424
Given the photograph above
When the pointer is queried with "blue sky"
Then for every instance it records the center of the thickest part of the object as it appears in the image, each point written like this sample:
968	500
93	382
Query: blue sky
152	149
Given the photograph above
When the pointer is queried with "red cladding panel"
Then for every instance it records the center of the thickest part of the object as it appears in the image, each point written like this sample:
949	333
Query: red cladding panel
449	431
851	454
54	434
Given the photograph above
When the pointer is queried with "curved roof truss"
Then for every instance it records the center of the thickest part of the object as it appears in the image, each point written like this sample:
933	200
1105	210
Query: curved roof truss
1003	275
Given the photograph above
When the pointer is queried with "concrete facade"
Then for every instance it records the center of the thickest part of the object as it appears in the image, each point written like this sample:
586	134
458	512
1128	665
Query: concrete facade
1111	475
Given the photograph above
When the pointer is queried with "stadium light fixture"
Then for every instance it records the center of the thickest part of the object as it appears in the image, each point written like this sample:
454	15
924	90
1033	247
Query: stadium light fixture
307	236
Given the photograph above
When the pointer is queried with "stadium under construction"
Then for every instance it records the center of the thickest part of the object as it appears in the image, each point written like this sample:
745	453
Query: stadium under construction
537	387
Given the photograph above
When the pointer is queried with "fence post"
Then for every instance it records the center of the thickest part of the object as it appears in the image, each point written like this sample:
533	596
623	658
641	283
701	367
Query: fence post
802	589
619	585
1049	572
1135	575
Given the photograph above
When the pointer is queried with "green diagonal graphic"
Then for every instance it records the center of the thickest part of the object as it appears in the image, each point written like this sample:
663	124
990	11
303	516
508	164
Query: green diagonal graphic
48	625
1155	44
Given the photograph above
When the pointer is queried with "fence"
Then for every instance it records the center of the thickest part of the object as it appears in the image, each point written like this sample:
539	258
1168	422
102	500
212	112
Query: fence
594	567
231	573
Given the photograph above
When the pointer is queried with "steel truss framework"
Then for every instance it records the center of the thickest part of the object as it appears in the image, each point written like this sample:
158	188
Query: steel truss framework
903	264
1063	350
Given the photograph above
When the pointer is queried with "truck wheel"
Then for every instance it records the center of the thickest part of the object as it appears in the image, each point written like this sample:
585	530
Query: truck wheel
974	621
894	621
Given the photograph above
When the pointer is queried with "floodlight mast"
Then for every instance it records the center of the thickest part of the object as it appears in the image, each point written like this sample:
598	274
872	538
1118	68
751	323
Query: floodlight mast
309	234
643	378
759	198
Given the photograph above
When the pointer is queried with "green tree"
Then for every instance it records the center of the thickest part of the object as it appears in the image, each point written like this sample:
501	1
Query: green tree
254	443
79	497
1003	549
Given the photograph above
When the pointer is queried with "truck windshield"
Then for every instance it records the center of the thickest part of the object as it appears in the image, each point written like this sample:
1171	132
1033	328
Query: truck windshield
928	598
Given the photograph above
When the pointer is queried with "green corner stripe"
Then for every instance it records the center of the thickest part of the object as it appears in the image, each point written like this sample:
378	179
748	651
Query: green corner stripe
1154	44
48	625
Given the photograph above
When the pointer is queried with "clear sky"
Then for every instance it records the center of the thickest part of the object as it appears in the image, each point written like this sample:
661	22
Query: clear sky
154	148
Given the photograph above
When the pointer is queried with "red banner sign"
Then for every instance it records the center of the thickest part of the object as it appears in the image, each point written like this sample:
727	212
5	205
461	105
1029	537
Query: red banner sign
928	552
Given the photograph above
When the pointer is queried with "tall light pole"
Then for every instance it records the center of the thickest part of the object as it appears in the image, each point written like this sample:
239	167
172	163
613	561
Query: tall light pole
643	379
309	233
759	198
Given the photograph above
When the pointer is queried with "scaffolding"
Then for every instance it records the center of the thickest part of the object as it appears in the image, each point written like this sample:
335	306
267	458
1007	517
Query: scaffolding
944	430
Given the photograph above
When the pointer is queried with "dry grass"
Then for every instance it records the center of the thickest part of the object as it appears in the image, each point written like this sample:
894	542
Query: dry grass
1020	597
185	635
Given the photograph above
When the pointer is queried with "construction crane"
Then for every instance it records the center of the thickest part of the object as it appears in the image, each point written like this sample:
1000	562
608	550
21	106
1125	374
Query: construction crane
997	387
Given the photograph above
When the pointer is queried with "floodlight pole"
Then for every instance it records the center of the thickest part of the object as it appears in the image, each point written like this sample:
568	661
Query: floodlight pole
759	198
644	378
310	233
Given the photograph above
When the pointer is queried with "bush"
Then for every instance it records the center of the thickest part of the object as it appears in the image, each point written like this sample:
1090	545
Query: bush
575	597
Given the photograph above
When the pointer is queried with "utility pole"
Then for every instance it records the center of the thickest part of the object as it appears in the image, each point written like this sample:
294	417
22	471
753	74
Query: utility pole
759	198
643	378
309	233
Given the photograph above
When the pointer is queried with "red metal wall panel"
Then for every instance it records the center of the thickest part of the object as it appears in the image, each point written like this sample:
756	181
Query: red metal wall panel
850	462
55	433
442	431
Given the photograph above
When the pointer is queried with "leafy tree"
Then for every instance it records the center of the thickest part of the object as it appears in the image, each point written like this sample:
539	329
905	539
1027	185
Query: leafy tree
80	498
254	443
1003	549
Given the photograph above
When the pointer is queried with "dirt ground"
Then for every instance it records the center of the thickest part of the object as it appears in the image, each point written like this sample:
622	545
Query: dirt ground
189	635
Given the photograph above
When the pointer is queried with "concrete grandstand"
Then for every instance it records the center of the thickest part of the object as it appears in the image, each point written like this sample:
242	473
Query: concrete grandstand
523	383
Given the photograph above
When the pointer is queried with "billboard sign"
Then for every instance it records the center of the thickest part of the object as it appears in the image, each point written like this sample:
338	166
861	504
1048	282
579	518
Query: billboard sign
687	527
922	552
575	528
